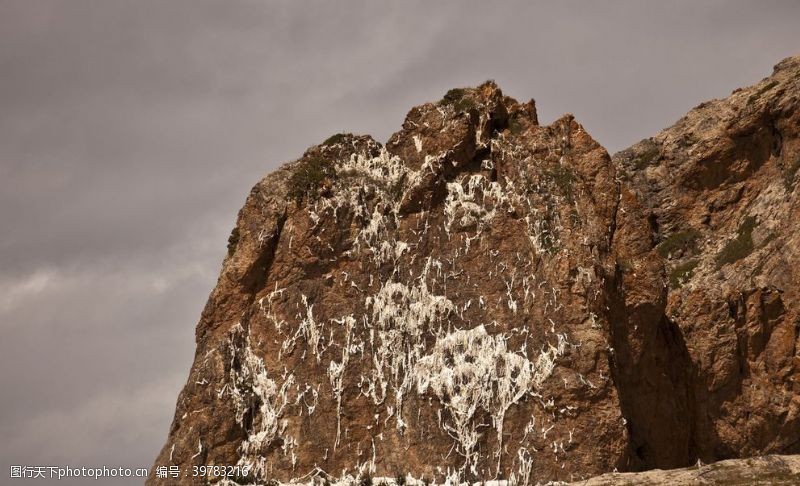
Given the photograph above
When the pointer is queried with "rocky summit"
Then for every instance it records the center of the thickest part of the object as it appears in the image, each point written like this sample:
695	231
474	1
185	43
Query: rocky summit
487	298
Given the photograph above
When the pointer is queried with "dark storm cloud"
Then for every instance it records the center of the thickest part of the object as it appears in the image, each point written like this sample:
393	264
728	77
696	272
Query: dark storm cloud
130	133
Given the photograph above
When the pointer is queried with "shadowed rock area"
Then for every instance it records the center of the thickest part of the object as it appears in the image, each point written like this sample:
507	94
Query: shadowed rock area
487	298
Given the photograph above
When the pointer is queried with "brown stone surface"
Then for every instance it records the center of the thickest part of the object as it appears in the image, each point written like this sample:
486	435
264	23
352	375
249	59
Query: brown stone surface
721	188
489	298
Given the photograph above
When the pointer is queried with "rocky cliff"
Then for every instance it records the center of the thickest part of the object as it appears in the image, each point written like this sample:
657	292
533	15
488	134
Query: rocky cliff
484	297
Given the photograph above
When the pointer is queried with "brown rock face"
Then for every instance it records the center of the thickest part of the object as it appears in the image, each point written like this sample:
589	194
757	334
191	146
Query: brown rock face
721	191
488	298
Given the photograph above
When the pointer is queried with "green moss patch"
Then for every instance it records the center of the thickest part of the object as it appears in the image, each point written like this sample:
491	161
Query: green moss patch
739	247
233	240
515	126
682	240
790	171
564	179
458	99
645	158
681	273
334	139
308	177
548	237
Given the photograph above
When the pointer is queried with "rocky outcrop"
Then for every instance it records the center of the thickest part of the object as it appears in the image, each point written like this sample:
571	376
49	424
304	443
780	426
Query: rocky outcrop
484	297
721	191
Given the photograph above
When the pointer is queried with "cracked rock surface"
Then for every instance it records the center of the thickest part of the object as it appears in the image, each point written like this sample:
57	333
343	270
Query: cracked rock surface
484	297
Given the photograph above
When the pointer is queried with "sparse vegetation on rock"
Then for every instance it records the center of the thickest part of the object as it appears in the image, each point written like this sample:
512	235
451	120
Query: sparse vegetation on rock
308	177
740	246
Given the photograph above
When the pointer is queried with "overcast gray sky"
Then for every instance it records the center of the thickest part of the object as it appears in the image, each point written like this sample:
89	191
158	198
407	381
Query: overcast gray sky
131	132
